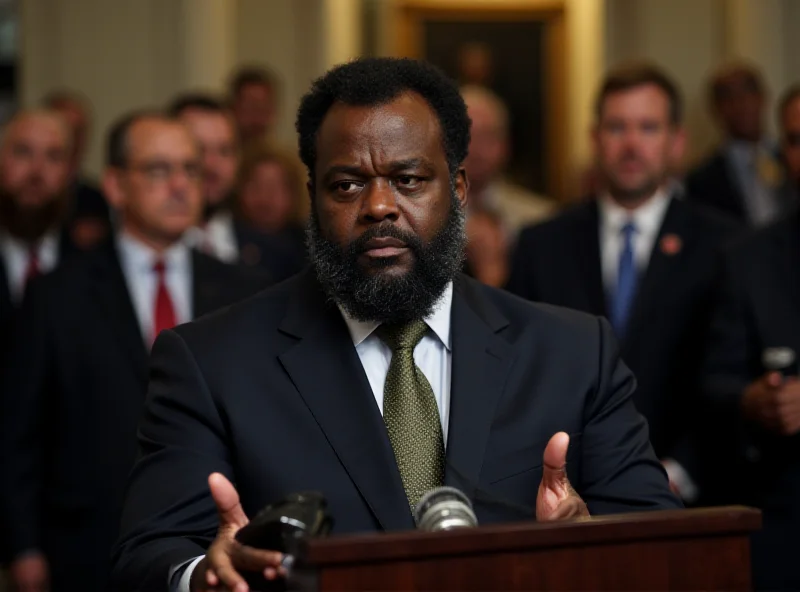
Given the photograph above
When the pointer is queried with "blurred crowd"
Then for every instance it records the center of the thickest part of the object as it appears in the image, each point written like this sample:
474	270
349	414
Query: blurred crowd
199	206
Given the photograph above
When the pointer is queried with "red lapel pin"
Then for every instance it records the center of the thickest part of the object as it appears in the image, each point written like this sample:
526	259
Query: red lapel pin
671	244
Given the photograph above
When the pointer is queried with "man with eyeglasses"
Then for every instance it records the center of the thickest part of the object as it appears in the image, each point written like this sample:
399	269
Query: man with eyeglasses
76	382
756	328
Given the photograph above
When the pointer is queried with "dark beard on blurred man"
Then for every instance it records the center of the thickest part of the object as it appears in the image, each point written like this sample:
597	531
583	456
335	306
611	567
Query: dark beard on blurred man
30	223
379	297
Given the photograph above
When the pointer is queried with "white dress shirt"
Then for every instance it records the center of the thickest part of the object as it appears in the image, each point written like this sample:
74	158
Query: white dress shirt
138	261
647	219
217	238
16	256
432	355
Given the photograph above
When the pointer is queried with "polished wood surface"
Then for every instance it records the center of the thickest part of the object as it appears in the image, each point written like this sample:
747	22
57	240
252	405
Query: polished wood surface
675	550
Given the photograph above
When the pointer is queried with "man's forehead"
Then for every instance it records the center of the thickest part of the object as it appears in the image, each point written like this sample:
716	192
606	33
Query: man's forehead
39	124
403	121
152	134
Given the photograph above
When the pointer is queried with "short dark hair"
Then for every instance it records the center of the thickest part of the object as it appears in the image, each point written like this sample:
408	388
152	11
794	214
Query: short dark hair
633	76
751	75
117	141
251	75
377	81
59	97
199	101
789	96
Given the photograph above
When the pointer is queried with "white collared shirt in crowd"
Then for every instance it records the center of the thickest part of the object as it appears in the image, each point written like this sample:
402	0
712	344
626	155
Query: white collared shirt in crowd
647	219
16	257
138	262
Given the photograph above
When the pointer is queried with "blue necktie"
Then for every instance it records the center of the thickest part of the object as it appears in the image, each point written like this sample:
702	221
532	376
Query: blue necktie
626	282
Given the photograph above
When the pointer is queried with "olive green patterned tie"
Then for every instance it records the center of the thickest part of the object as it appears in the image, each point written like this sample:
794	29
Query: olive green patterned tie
411	413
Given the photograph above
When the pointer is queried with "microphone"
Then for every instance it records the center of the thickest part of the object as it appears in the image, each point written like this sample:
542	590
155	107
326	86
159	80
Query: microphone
444	508
780	359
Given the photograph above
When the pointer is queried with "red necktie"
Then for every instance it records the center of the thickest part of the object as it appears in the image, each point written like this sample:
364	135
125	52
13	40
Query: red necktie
164	312
32	270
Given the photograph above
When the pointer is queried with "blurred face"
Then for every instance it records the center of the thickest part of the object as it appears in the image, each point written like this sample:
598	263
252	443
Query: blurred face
266	198
215	135
254	111
78	122
387	228
488	147
636	145
158	193
740	106
34	165
790	140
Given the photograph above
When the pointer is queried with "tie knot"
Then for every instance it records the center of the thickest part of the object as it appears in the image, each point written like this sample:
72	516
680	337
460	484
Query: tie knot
402	337
159	267
629	229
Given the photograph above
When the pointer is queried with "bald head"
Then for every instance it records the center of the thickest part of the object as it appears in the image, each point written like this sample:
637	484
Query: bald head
34	165
488	148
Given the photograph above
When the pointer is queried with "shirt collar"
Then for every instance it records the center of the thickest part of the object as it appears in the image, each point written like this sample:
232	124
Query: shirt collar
647	218
48	241
438	320
139	257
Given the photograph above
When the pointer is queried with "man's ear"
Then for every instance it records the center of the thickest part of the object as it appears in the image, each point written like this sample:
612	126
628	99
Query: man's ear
462	186
112	188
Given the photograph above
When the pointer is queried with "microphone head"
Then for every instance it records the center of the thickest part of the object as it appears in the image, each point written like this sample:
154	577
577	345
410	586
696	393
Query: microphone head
444	508
780	359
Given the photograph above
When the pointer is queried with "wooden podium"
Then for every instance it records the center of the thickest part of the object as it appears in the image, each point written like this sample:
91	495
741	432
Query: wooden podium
704	549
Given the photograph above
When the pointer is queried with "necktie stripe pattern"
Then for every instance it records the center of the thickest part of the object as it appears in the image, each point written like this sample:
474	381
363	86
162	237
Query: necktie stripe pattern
411	414
627	278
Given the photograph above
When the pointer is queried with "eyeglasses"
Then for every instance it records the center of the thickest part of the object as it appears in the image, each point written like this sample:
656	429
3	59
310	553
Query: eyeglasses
159	171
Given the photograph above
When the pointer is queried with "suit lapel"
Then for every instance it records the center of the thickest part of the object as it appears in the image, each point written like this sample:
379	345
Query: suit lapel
587	253
666	261
112	296
326	370
481	359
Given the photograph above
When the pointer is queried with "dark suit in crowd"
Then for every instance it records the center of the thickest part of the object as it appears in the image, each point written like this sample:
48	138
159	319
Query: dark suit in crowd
281	255
758	308
70	402
272	394
713	183
559	262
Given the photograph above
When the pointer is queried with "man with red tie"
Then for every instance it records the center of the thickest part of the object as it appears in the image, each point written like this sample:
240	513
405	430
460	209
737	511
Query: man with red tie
76	381
34	157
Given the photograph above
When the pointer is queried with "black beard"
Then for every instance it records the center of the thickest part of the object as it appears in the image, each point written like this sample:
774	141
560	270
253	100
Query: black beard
379	297
30	224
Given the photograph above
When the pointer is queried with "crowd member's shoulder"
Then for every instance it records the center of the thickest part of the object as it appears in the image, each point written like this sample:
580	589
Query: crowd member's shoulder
712	223
558	226
245	278
257	313
754	245
698	175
